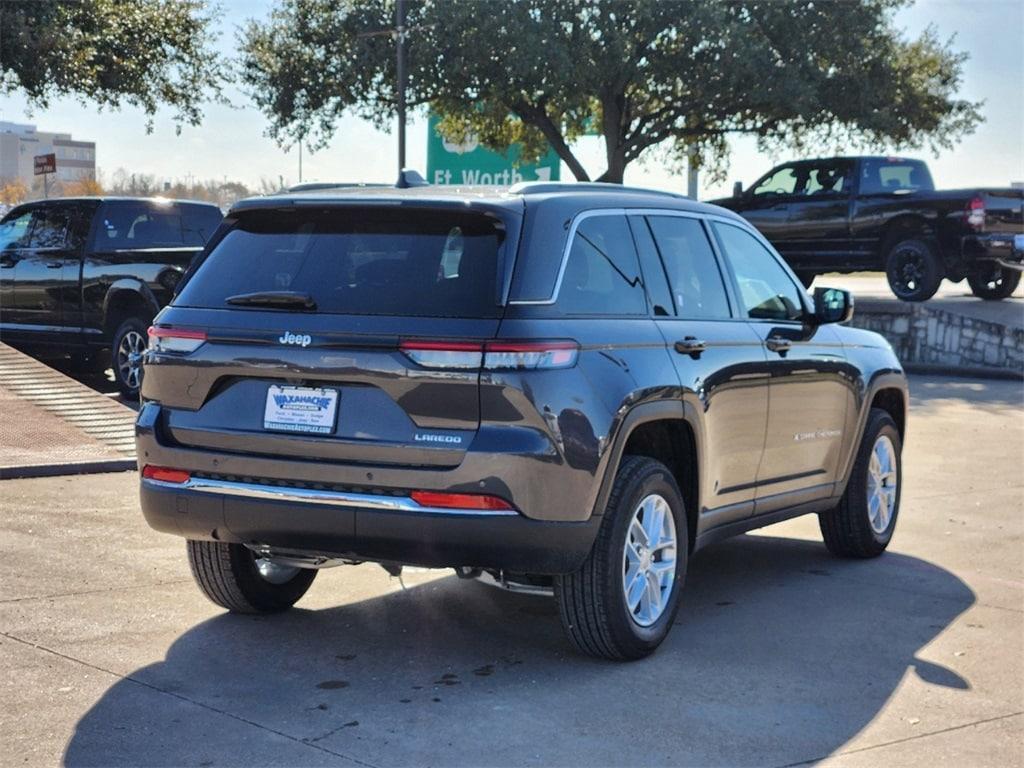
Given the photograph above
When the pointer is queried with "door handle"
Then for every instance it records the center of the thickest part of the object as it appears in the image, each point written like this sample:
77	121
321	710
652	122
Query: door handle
54	264
691	346
778	344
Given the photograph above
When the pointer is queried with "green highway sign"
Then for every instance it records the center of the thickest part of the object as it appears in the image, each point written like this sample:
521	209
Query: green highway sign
470	163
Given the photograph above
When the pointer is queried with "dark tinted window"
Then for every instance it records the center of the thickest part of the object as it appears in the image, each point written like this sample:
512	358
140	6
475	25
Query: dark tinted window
14	232
358	261
766	290
198	222
887	176
139	225
693	273
655	279
49	228
602	276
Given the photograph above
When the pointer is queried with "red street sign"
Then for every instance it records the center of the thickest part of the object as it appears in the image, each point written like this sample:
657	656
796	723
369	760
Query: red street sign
45	164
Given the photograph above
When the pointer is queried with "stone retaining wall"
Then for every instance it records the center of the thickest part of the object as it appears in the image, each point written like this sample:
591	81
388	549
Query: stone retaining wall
923	334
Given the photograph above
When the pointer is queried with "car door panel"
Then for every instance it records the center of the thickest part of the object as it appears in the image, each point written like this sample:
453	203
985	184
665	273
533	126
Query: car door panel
810	382
719	361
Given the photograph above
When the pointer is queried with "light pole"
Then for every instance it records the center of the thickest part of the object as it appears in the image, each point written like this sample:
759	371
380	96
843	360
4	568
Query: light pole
400	67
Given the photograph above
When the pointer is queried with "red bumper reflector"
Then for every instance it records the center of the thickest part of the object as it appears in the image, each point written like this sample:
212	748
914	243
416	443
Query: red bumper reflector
458	500
165	474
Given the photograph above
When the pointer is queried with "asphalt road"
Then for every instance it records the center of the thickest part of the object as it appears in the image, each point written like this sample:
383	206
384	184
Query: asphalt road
782	655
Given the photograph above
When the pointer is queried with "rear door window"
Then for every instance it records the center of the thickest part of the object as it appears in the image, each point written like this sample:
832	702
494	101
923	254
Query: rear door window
696	281
366	261
602	276
136	225
885	176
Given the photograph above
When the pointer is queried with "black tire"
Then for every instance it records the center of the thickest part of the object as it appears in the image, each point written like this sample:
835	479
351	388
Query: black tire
806	278
228	575
591	601
914	269
847	529
994	284
123	348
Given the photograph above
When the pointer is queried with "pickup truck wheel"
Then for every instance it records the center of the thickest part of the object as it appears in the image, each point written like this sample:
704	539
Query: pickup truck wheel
863	523
621	603
914	269
126	352
994	284
236	578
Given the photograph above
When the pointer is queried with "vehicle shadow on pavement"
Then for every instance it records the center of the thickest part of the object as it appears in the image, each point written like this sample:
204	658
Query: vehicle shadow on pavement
781	654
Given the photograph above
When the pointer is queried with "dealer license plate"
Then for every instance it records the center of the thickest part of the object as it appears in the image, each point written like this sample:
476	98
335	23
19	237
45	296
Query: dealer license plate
300	409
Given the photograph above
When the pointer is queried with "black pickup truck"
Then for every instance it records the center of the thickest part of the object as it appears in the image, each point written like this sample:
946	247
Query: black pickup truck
852	214
87	275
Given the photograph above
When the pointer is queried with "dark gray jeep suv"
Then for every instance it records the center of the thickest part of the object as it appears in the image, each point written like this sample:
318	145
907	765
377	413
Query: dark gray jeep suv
567	387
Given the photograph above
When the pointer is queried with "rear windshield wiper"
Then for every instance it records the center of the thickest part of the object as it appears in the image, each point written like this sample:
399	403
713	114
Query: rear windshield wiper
283	299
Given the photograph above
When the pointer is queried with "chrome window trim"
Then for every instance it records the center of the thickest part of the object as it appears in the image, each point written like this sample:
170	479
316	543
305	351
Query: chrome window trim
577	219
373	501
583	215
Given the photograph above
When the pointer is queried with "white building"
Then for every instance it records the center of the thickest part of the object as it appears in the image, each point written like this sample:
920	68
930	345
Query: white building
20	142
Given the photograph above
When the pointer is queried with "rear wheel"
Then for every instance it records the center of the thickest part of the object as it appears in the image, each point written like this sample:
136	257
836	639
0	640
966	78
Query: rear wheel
994	283
863	523
914	269
126	351
236	578
621	603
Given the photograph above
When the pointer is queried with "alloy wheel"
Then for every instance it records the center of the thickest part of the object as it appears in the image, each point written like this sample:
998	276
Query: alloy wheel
129	358
883	484
649	560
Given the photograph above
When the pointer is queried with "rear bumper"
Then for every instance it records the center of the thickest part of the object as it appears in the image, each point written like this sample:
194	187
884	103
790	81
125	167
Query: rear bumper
1005	250
363	526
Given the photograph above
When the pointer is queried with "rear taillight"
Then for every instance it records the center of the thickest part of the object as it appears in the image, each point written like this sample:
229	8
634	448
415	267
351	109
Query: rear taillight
975	213
166	474
529	355
440	500
180	340
444	354
492	355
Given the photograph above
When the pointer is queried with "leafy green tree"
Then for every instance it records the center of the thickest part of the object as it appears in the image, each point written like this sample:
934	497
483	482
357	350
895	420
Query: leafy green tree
677	75
144	53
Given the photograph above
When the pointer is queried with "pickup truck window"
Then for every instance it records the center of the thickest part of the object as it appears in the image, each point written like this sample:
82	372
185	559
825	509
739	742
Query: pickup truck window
827	178
49	229
14	232
766	291
884	176
154	225
780	182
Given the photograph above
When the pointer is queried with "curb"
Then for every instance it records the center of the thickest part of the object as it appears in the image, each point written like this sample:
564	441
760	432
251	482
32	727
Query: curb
964	372
76	468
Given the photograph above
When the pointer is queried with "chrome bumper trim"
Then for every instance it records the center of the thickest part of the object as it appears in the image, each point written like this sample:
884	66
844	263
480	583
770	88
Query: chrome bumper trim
312	496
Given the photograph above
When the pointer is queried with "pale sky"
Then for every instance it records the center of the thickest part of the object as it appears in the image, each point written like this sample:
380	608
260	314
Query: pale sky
231	142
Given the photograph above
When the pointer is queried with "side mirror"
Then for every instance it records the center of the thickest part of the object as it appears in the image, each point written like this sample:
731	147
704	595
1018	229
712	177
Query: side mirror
737	189
832	305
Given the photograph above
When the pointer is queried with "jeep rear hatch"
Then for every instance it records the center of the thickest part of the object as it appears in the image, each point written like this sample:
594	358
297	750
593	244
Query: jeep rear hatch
316	334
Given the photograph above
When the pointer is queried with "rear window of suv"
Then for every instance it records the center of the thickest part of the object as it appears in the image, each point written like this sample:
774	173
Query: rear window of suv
359	261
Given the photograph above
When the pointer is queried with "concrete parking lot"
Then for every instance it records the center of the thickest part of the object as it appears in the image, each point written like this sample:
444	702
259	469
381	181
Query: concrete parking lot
782	655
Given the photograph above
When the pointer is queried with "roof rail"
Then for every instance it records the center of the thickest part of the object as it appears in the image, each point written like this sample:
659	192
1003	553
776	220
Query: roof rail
410	178
545	187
